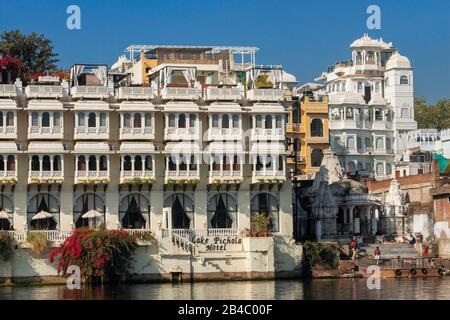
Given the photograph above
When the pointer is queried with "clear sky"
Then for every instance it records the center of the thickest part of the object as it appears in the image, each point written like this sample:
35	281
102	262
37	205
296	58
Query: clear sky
304	36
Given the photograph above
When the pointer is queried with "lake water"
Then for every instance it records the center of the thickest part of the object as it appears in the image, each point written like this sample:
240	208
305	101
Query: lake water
420	288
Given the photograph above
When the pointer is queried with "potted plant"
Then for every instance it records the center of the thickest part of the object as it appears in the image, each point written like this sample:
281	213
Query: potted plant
260	225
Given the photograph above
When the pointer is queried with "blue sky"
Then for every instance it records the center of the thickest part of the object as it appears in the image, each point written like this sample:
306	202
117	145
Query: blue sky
304	36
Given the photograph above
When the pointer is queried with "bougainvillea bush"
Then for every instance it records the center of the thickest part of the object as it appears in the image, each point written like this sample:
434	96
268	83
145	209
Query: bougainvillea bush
98	253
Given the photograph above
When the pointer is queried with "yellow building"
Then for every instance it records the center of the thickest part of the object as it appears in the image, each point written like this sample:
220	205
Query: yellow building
308	122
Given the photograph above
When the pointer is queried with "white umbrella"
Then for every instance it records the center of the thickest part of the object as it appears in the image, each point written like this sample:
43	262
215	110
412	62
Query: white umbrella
4	215
92	214
42	215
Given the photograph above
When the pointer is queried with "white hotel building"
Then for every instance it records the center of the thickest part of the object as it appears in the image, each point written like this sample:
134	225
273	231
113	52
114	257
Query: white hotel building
180	158
371	105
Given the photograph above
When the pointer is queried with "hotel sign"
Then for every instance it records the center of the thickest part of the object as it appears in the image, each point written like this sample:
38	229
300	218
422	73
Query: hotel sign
219	243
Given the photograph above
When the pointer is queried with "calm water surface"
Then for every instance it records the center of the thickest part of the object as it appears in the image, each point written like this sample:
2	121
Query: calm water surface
426	288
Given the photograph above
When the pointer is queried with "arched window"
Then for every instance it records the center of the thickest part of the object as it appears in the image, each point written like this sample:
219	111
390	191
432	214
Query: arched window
216	163
316	128
126	120
2	163
34	119
235	121
268	123
316	157
103	163
148	120
280	163
267	204
10	163
81	122
182	163
134	211
388	144
222	211
378	115
386	82
35	165
236	164
278	121
215	121
137	120
127	163
192	118
7	206
380	168
92	163
193	164
226	163
81	163
148	163
404	80
56	119
368	143
45	119
349	113
102	119
379	143
258	121
225	121
138	163
181	120
182	210
259	163
358	143
56	163
10	119
91	120
87	202
171	120
172	164
1	119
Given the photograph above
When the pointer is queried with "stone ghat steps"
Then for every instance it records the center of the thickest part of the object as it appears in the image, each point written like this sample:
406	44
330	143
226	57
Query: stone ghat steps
392	251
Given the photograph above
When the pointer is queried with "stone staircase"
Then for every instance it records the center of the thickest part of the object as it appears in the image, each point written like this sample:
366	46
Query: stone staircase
390	251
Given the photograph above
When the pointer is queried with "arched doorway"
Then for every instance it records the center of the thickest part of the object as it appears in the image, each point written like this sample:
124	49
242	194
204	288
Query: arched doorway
134	211
6	206
182	210
45	202
222	211
266	203
85	203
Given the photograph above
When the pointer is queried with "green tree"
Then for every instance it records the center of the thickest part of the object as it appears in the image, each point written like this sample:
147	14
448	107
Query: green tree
34	51
432	116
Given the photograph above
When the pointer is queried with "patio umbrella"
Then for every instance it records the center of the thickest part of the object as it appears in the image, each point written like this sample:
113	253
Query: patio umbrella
42	215
92	214
4	215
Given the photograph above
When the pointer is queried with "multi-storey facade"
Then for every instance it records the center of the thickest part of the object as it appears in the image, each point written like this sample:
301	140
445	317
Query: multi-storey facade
183	159
371	107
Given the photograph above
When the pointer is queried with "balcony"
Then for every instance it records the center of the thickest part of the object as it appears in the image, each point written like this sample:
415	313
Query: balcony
147	133
225	176
137	177
8	90
95	133
268	176
38	132
323	139
265	95
91	177
45	177
169	93
8	132
44	91
135	93
8	177
267	134
225	134
294	128
224	94
94	92
177	134
182	177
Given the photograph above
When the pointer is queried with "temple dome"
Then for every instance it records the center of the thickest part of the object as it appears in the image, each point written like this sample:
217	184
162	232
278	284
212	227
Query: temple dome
367	42
398	61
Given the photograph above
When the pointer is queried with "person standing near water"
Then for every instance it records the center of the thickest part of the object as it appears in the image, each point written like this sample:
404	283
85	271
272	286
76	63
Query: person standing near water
377	255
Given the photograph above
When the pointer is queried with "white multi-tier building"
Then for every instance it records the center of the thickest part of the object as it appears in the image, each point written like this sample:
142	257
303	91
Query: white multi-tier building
185	159
371	107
